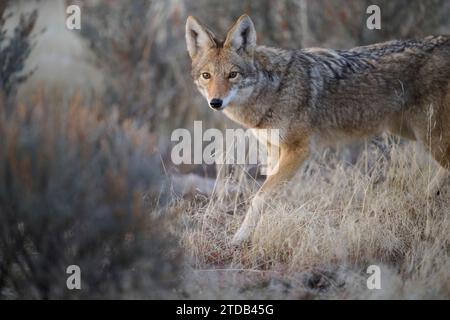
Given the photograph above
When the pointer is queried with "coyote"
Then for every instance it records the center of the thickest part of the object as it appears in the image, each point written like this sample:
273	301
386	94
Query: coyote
316	96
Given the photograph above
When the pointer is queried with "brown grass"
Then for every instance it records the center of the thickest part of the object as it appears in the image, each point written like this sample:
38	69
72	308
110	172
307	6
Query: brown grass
318	238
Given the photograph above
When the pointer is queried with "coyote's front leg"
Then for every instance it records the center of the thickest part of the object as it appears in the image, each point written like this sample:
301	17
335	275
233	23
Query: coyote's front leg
289	161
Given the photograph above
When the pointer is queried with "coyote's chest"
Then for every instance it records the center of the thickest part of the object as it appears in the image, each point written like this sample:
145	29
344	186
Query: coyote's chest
267	136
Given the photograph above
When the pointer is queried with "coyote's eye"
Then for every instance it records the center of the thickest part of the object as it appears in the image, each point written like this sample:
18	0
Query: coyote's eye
206	75
233	74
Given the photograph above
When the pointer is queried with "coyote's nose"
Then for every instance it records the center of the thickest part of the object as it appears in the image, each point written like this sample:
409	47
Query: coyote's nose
216	103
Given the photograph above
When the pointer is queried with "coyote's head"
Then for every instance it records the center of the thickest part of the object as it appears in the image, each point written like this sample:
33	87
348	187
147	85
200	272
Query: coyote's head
223	71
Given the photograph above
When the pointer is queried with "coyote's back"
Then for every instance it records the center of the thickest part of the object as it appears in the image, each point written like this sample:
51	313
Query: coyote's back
387	86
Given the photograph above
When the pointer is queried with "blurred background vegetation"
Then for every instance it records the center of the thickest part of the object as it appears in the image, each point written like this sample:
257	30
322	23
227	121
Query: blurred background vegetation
86	117
136	50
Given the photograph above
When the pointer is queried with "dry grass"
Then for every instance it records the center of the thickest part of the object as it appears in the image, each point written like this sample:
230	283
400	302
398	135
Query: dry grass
317	239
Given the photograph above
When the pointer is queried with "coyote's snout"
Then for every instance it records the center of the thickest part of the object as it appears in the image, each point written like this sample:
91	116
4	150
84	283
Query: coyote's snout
320	96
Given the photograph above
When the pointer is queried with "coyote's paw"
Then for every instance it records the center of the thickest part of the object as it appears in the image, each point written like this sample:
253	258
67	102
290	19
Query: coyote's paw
241	236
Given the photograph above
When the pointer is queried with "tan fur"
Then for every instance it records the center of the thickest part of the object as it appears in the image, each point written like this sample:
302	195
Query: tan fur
322	96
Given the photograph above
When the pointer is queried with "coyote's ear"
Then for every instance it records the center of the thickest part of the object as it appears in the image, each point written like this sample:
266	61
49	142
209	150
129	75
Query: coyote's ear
197	37
242	35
